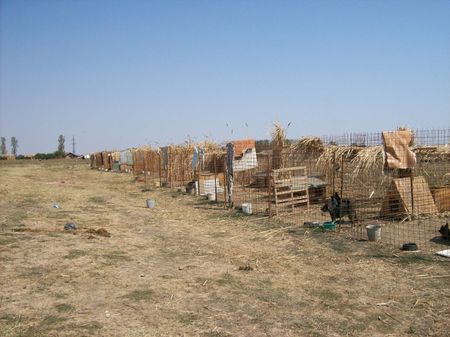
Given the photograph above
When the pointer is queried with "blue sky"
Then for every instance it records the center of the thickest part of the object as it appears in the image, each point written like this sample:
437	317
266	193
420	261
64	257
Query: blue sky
118	74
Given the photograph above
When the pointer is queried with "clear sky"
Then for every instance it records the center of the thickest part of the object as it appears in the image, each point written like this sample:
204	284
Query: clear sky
118	74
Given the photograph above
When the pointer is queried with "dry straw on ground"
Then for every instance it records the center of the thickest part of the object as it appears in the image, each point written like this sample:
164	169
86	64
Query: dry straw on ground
177	270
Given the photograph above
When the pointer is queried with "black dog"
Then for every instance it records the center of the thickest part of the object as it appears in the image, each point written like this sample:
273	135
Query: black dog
339	208
445	231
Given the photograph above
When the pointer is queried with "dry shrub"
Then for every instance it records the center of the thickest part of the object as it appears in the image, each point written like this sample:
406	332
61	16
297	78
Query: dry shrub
180	164
278	135
280	156
210	147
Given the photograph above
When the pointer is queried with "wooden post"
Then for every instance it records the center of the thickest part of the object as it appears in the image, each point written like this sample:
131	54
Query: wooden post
230	173
159	168
182	167
269	186
333	172
342	191
145	168
225	183
342	177
215	178
411	179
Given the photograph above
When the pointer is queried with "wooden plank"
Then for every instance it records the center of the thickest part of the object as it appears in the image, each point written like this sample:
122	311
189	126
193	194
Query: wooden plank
290	169
400	195
292	203
292	183
291	191
288	182
286	201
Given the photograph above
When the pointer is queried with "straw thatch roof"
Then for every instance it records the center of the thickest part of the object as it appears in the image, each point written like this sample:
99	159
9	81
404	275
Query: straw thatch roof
333	154
368	159
308	146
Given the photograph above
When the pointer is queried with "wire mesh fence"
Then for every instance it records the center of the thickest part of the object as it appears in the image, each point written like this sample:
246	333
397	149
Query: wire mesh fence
364	184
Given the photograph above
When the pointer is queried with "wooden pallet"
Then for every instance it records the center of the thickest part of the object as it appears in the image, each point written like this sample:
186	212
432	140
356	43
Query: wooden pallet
290	188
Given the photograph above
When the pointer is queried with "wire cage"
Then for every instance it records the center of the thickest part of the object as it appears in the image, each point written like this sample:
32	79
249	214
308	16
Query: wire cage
398	181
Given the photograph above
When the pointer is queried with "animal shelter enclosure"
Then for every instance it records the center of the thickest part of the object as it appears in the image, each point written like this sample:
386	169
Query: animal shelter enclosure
399	180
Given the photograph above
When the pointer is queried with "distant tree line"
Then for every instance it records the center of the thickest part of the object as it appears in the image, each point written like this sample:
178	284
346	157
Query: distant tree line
14	146
59	153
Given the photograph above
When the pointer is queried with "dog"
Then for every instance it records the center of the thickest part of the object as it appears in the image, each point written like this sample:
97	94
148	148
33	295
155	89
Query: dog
338	208
445	231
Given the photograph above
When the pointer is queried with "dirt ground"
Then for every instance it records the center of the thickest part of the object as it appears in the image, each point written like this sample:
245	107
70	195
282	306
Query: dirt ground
189	268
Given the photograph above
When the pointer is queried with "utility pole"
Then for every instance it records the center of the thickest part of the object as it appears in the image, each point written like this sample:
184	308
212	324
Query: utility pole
73	144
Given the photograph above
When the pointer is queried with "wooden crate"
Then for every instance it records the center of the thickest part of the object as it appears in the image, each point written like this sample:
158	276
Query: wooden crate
290	188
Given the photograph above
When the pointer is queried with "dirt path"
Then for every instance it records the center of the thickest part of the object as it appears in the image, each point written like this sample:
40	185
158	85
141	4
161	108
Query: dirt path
181	270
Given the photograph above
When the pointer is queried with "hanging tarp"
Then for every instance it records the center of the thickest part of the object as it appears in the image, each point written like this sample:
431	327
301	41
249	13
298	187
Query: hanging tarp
398	155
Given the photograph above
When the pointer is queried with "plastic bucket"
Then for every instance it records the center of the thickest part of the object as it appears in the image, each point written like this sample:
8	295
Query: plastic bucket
373	232
150	203
247	208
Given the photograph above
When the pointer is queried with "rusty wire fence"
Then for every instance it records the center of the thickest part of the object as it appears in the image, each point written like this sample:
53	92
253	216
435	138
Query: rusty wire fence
317	180
346	180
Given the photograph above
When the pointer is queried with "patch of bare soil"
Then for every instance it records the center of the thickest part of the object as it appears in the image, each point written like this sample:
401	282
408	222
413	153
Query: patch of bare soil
178	270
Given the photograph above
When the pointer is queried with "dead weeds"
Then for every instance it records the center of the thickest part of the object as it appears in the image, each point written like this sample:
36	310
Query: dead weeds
180	270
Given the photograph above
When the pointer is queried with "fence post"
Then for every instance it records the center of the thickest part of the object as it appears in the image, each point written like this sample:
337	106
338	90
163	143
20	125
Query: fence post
159	168
269	185
215	178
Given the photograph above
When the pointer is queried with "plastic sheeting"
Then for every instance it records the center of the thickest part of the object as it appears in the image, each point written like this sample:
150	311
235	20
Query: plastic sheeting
126	157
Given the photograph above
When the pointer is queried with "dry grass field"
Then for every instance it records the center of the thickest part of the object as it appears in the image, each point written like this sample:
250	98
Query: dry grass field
184	269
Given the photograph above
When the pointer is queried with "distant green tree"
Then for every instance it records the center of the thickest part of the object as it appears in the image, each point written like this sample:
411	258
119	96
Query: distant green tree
3	146
46	155
14	145
61	150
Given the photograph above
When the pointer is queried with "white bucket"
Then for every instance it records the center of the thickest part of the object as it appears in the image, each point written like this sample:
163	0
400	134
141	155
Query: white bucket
211	196
247	208
374	232
151	203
